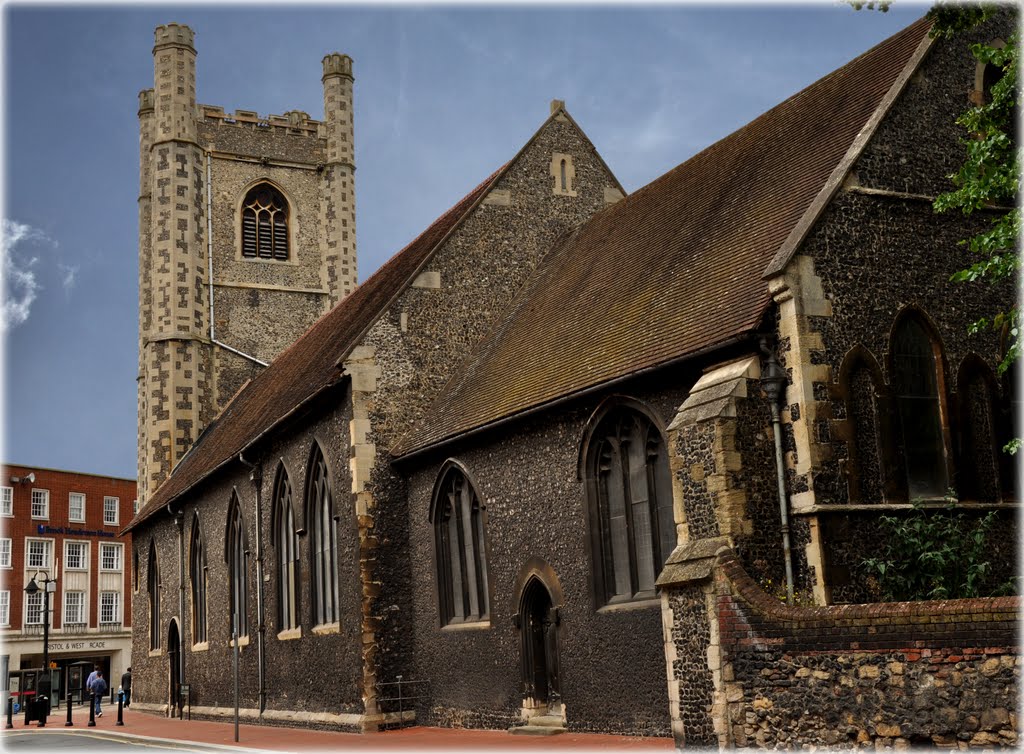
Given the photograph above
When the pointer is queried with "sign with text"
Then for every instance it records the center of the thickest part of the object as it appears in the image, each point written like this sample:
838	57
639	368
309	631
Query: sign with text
72	532
76	646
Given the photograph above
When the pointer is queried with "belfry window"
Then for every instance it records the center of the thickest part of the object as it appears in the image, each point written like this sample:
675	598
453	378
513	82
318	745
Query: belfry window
323	541
237	556
633	527
197	578
153	585
287	548
918	386
265	224
460	551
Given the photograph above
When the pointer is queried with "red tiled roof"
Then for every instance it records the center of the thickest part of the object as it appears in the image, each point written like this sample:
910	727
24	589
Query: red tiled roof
311	364
677	267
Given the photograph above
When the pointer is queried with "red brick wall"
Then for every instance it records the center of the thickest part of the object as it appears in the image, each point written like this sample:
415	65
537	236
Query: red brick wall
22	525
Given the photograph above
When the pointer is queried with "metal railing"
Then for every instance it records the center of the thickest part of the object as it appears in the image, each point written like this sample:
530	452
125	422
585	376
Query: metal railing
399	697
75	628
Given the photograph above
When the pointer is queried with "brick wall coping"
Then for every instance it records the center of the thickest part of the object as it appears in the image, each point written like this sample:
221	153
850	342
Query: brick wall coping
751	617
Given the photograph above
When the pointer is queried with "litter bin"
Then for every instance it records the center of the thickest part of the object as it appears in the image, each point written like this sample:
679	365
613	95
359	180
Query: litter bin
38	709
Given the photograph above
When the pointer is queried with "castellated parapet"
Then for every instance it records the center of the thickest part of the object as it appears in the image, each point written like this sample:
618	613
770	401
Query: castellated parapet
174	34
210	316
337	64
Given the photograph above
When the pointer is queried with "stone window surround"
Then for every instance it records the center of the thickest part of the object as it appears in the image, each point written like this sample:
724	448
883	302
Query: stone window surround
293	224
74	497
47	553
79	618
197	577
610	405
110	605
116	559
442	573
83	558
283	525
33	609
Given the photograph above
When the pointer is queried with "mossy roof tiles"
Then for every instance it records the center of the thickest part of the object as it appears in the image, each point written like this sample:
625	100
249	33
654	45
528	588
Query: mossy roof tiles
678	266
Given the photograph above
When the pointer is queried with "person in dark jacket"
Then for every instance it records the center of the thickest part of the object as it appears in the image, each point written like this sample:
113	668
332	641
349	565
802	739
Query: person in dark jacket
98	688
126	687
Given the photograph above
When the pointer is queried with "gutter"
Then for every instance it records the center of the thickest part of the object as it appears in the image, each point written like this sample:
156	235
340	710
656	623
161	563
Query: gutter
256	475
562	399
301	406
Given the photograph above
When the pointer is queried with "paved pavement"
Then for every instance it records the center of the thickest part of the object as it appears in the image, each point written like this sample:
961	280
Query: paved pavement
146	730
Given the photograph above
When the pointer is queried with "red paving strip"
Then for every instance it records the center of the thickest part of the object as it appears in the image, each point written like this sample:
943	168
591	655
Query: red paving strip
301	739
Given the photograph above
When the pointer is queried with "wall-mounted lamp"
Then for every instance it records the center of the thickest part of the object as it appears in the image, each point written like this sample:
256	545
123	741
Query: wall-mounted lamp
30	478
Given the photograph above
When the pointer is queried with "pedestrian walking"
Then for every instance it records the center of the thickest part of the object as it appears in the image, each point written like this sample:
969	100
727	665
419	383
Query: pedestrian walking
98	688
126	687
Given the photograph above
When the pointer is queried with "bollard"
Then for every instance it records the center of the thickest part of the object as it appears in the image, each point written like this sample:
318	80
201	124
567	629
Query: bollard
28	712
92	710
120	702
42	710
10	712
68	723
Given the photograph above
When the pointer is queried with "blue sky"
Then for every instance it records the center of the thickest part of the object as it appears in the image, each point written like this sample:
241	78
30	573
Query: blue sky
443	96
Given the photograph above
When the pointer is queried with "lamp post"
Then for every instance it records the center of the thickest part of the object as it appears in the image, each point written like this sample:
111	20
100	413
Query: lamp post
49	585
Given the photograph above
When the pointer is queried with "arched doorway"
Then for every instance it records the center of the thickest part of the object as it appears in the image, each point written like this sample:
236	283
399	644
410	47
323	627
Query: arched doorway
538	623
174	666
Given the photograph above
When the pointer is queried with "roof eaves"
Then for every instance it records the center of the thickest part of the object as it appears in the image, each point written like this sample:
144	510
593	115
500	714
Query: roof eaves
400	455
835	180
241	451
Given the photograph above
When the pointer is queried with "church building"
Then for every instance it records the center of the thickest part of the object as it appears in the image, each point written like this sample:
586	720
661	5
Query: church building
492	469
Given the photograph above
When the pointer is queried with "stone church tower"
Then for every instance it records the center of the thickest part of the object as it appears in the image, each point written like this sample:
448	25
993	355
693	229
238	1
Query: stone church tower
246	237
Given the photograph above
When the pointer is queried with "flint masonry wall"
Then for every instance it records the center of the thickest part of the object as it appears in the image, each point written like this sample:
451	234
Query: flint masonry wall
432	327
301	689
751	671
878	248
611	659
882	675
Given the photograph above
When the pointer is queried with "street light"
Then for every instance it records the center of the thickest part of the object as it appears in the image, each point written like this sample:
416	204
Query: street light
49	585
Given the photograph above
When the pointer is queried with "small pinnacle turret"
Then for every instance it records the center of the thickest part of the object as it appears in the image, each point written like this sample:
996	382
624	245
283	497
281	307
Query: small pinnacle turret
337	64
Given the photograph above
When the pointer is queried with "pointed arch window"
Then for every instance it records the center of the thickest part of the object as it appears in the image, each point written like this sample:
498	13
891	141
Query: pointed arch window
919	391
197	582
153	587
265	223
632	521
236	552
323	541
460	550
286	545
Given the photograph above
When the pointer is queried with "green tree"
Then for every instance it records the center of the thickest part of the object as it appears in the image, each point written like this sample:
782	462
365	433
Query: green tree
990	175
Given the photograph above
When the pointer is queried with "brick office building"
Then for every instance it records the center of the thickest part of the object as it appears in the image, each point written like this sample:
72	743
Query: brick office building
65	525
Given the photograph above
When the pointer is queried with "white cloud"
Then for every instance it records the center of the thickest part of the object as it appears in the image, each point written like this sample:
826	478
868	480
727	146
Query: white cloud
19	283
67	275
